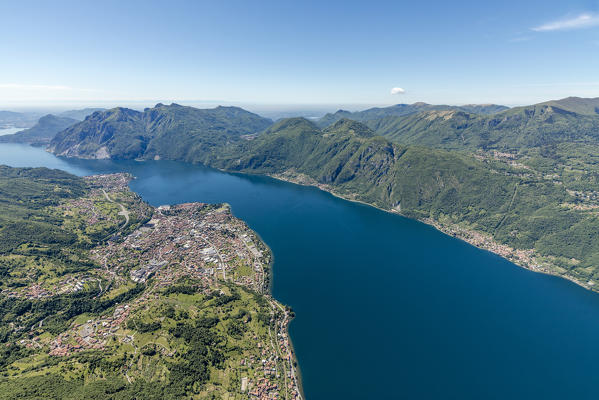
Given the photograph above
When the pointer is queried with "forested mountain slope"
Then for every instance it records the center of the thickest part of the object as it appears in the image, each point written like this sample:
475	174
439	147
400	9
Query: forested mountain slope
405	109
515	130
162	131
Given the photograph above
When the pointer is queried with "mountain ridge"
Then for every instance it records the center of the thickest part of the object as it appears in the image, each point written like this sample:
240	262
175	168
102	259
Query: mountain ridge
42	132
154	131
404	109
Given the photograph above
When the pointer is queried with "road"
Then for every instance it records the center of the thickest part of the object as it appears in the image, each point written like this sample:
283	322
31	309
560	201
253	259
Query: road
124	212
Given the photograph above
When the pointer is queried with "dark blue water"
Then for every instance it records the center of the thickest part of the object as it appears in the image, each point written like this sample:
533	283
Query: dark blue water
388	307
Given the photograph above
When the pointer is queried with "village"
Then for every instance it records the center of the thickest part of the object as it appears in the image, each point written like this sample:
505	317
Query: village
194	240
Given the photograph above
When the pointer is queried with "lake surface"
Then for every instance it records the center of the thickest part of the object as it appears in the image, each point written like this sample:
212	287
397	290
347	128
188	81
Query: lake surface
388	307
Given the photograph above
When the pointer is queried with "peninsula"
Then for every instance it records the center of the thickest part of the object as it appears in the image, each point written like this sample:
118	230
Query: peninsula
104	296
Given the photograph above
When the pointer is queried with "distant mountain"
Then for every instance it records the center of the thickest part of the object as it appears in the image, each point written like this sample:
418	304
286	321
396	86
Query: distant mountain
169	132
80	115
18	119
577	104
405	109
42	132
515	129
484	109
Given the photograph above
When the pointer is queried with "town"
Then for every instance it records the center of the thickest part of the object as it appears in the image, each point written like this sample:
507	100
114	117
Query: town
202	243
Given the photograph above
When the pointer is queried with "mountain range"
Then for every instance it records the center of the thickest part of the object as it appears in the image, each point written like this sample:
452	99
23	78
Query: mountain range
80	114
521	182
12	119
406	109
173	132
42	132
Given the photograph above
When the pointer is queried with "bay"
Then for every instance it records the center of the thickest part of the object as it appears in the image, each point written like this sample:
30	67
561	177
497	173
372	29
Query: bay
387	307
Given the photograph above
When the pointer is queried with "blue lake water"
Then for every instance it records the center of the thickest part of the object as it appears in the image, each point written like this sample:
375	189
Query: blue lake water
388	307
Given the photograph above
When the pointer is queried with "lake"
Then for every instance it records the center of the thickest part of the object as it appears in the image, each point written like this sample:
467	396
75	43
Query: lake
387	307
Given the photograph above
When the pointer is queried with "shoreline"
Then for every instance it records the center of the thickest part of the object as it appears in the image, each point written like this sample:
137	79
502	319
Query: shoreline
526	259
266	291
475	238
294	363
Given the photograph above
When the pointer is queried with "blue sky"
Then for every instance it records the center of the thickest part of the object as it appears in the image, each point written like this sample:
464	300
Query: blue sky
298	52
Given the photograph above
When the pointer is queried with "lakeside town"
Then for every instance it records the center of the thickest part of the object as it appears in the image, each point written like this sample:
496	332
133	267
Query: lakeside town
196	242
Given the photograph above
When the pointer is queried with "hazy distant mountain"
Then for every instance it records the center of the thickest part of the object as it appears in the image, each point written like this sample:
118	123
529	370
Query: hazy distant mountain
18	119
405	109
171	132
42	132
514	129
80	114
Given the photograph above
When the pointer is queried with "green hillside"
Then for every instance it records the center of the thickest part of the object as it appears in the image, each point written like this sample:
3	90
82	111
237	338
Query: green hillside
162	131
515	130
398	110
549	209
578	105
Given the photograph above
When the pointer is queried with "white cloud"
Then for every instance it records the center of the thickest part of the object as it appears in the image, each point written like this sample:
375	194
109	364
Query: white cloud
397	90
586	20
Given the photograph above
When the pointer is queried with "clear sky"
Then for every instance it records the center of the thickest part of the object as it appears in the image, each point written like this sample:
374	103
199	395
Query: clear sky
298	52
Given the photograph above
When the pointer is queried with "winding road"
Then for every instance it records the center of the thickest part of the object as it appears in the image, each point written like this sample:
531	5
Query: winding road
124	212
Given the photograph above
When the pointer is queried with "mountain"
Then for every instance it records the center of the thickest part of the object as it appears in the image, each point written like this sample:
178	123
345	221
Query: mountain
18	119
169	132
349	159
512	209
81	114
484	109
577	105
42	132
521	183
405	109
514	130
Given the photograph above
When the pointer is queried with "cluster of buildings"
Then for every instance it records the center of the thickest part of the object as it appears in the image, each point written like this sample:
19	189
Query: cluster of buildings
197	240
206	240
92	334
524	258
